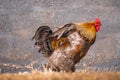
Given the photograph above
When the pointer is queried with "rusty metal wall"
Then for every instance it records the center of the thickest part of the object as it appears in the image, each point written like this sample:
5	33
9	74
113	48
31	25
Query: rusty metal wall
19	20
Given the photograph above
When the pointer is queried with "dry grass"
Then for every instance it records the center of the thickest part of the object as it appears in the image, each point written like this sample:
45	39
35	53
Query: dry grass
62	76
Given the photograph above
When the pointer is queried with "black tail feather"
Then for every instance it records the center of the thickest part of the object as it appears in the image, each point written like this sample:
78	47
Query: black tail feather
41	39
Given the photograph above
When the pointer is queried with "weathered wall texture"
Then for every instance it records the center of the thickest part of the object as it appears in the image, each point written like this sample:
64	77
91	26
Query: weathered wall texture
19	20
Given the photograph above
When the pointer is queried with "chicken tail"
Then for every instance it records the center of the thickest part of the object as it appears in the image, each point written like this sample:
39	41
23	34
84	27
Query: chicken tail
41	40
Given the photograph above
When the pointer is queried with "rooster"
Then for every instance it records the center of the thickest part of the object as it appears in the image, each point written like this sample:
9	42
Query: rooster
66	46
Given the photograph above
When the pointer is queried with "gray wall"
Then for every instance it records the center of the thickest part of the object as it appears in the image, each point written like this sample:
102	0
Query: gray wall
19	20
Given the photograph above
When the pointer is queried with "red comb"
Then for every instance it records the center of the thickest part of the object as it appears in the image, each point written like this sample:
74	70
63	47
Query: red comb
97	20
97	24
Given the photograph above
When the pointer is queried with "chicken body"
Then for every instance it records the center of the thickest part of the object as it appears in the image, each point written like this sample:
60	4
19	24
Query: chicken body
69	45
65	58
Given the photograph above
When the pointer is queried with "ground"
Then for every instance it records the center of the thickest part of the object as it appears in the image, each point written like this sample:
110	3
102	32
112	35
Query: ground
19	19
62	76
